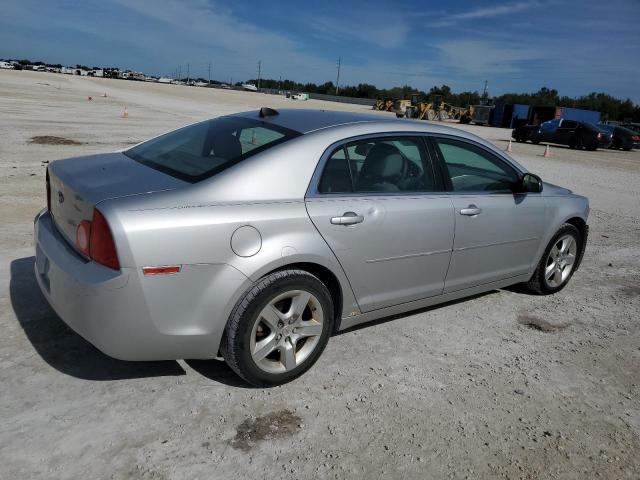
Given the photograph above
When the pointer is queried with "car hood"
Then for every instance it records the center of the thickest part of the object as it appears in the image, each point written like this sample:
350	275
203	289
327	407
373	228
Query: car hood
111	175
551	189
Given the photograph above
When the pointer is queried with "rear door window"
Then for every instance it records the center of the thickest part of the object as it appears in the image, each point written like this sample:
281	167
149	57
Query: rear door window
199	151
379	165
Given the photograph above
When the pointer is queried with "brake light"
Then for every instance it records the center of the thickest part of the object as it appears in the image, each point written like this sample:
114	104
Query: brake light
101	244
636	138
95	241
48	190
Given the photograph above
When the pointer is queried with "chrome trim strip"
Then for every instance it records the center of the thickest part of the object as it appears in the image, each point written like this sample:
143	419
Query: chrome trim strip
410	255
495	244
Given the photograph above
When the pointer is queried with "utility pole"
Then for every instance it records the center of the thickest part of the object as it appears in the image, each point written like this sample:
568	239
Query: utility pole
484	93
279	82
209	73
187	73
259	67
179	73
338	77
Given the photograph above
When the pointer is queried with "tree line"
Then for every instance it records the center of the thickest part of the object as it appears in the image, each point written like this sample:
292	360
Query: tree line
611	108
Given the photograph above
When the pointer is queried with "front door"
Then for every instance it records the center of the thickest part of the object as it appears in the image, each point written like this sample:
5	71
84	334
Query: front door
497	231
381	210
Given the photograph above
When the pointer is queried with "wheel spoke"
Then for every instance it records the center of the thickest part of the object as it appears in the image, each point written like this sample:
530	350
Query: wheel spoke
288	356
550	270
570	259
557	277
299	303
309	329
271	315
566	243
555	252
264	347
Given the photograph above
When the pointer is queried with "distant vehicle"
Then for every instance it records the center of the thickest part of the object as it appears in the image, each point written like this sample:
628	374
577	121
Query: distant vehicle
250	87
225	86
623	138
256	236
634	127
575	134
6	65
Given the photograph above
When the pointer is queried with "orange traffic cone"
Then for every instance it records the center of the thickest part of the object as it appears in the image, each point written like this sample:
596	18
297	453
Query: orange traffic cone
509	148
547	152
125	113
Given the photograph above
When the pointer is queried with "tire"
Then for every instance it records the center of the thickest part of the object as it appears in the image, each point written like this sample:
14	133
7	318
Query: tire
247	328
539	283
535	141
579	143
626	149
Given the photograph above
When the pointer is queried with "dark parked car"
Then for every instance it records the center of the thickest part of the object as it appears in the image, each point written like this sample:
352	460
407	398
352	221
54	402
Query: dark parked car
565	132
622	137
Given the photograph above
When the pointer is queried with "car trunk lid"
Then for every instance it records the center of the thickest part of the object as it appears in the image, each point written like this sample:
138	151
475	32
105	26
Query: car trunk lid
77	185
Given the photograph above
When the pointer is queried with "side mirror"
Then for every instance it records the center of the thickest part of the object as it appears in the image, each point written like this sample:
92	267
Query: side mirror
531	183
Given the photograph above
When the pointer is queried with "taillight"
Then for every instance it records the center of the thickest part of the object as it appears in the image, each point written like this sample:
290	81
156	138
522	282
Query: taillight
101	244
636	138
599	136
94	239
48	190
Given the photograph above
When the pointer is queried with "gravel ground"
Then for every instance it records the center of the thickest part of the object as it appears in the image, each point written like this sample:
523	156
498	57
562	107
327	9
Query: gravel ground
503	385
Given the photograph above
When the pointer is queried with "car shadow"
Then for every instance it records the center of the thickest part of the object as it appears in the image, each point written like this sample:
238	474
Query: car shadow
61	347
413	312
218	371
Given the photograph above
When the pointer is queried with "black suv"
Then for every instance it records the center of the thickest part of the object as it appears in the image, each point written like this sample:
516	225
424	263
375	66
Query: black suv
565	132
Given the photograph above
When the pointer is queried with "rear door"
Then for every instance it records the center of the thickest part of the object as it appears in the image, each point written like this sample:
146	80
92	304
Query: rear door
566	132
381	209
497	230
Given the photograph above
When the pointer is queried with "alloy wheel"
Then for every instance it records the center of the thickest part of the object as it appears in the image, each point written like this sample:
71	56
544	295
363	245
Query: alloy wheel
287	331
560	261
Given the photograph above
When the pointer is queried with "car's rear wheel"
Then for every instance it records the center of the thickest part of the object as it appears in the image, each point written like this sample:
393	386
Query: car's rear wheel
557	263
279	328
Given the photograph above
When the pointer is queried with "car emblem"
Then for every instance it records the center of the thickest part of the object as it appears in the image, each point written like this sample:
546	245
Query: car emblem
60	197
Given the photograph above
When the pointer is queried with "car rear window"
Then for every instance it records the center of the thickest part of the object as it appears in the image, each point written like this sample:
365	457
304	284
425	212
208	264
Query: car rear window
199	151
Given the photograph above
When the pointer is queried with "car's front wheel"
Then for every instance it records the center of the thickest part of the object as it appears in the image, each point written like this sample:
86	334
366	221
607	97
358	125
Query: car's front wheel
279	328
558	262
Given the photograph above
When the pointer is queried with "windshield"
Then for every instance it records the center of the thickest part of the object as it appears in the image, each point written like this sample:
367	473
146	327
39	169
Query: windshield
201	150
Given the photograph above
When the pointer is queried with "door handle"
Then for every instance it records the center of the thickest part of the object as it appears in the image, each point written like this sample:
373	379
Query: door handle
471	211
347	218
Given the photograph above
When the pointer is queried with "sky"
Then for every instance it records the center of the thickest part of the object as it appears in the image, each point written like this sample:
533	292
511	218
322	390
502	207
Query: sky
576	47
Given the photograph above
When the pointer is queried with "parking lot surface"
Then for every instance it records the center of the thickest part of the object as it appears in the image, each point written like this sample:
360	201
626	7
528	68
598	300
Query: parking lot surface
503	385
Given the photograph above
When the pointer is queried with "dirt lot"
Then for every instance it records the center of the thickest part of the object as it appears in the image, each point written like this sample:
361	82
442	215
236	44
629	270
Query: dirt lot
503	385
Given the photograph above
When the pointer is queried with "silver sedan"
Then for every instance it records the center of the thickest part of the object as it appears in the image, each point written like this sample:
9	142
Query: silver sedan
256	236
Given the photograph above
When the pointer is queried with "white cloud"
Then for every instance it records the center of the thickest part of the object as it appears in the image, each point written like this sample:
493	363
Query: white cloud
485	12
386	31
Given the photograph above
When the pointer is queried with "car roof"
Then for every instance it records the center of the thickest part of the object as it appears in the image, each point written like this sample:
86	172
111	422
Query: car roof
306	120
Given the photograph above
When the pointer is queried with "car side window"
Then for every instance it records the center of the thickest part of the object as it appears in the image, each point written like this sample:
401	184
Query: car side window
472	169
336	177
390	165
379	165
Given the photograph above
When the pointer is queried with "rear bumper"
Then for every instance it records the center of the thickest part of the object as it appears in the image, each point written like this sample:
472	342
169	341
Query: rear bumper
132	317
